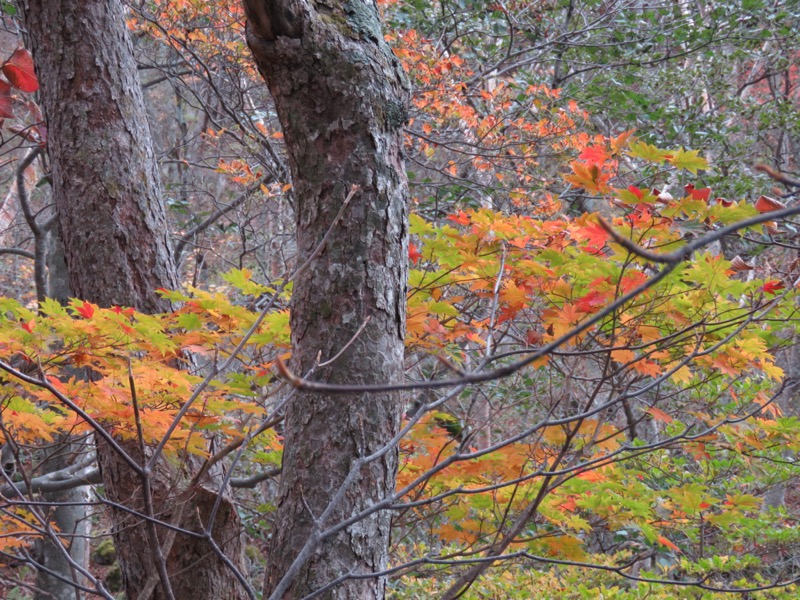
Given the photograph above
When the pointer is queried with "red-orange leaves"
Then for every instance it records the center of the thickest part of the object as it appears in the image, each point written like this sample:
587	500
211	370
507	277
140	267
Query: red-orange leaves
594	234
18	69
413	253
773	287
766	204
85	309
665	542
703	194
592	302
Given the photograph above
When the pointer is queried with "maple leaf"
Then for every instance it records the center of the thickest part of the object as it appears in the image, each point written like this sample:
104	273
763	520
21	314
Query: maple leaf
86	310
702	194
635	191
659	415
648	367
595	235
29	325
461	218
591	302
623	356
772	287
513	295
593	476
594	155
689	160
648	152
413	253
591	177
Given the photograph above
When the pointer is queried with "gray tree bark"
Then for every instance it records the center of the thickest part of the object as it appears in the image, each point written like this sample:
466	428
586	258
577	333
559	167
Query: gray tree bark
115	235
71	516
341	98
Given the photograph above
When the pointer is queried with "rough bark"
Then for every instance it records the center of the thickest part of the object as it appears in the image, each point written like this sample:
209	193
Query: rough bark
341	98
115	236
104	172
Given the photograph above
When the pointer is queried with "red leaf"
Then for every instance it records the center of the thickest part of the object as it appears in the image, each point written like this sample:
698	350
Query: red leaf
86	310
591	302
703	194
19	71
772	287
533	337
413	253
767	204
461	218
6	103
29	325
635	191
594	155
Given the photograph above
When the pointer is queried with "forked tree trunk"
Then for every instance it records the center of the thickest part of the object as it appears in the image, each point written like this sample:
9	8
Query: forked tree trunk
106	188
341	98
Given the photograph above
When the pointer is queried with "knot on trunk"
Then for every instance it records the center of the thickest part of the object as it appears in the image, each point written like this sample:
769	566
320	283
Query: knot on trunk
270	19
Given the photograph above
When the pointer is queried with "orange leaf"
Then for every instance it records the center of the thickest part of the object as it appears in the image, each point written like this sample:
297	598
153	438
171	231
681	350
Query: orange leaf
766	204
592	476
29	325
659	415
665	542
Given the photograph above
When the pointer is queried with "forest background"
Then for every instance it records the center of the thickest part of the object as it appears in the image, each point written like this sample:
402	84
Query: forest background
598	394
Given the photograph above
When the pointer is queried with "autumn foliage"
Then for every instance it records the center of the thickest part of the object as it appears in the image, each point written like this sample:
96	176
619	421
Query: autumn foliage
591	406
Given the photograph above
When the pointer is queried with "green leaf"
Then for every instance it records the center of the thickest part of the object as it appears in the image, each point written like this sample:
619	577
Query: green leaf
241	279
648	152
689	160
190	322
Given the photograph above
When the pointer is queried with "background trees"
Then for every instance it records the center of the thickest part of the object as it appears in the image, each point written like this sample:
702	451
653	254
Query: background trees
590	408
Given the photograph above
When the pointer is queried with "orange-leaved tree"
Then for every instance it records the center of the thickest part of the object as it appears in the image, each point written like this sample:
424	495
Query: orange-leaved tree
592	394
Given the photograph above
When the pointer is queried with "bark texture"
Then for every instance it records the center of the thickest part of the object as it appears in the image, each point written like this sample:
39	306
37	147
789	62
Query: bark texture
341	98
104	173
115	236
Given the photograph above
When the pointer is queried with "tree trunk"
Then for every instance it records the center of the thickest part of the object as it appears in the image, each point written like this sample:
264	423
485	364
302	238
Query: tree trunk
341	99
71	515
106	189
70	511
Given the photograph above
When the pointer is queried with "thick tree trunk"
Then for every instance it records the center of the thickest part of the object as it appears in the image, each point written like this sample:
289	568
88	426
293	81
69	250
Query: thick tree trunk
106	188
340	96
